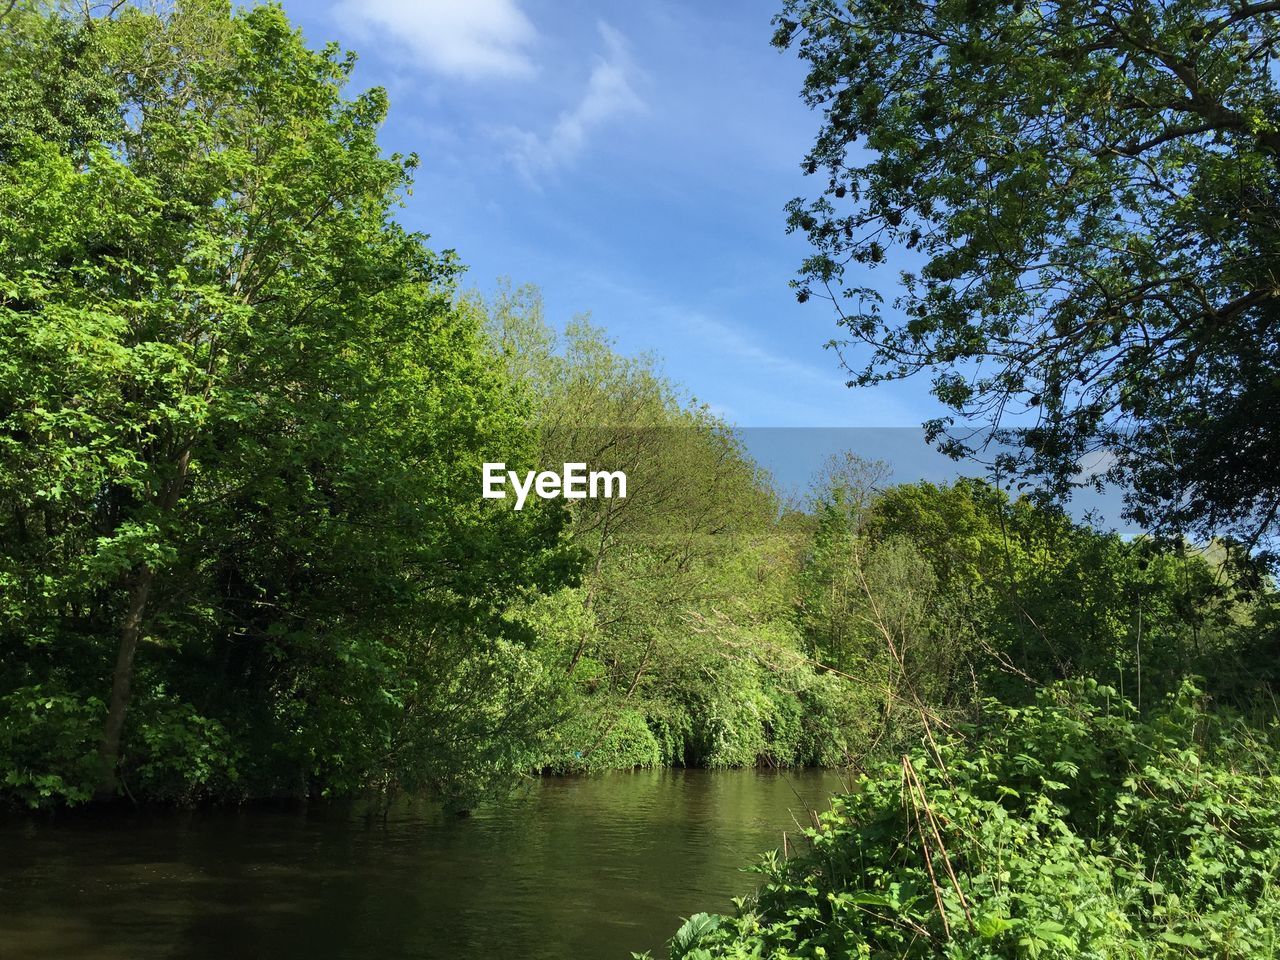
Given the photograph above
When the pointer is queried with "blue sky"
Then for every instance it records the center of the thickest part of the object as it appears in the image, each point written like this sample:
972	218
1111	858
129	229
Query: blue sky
632	160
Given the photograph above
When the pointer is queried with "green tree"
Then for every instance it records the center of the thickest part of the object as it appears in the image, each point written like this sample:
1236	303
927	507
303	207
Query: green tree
681	641
1083	199
1028	596
241	427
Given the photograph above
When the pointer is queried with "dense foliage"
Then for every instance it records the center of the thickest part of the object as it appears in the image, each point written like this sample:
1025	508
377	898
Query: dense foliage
240	421
681	645
1080	199
1067	828
937	597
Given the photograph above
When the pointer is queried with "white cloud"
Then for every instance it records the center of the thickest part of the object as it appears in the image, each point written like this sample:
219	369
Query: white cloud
723	337
610	93
471	39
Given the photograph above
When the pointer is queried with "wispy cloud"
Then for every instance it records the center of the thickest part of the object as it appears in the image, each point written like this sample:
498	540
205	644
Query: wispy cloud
732	341
610	93
758	363
472	40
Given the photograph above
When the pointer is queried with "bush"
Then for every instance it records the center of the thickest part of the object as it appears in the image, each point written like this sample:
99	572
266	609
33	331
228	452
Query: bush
1067	828
592	742
183	756
48	745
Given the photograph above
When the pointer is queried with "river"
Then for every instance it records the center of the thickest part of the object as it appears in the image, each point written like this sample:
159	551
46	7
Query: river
588	868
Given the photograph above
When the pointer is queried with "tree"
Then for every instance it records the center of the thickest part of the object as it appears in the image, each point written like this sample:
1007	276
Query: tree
1085	197
681	642
241	428
832	584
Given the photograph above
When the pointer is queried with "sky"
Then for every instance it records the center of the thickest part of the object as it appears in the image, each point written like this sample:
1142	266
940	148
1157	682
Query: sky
633	160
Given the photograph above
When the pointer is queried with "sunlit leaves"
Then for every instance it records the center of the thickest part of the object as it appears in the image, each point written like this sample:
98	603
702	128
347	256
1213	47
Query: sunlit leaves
1088	193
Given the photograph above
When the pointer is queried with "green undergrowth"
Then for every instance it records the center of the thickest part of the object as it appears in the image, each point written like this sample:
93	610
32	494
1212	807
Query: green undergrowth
747	717
1072	827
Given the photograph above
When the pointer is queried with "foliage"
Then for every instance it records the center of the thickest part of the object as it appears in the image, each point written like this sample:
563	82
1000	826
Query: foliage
686	613
46	745
603	735
240	426
1082	200
943	594
242	414
1066	828
763	637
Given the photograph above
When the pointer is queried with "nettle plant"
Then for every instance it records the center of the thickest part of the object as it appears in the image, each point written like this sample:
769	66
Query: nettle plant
1068	828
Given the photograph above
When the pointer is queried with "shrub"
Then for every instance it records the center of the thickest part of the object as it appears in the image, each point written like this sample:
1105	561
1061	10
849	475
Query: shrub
591	742
1067	828
48	745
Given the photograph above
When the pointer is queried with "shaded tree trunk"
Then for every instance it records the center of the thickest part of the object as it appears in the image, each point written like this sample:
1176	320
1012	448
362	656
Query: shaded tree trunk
121	678
130	634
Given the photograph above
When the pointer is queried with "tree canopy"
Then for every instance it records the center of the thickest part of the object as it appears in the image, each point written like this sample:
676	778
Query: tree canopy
240	426
1083	201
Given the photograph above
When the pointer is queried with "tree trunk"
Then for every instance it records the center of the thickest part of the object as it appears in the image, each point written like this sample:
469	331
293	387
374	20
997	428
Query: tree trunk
130	634
121	677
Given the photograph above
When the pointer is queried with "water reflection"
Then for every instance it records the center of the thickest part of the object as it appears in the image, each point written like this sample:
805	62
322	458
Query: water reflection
584	867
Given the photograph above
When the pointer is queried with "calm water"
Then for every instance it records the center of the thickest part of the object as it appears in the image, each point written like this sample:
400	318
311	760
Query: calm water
568	868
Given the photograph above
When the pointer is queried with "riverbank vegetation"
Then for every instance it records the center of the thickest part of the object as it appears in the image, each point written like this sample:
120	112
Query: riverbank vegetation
1069	827
1085	197
244	555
